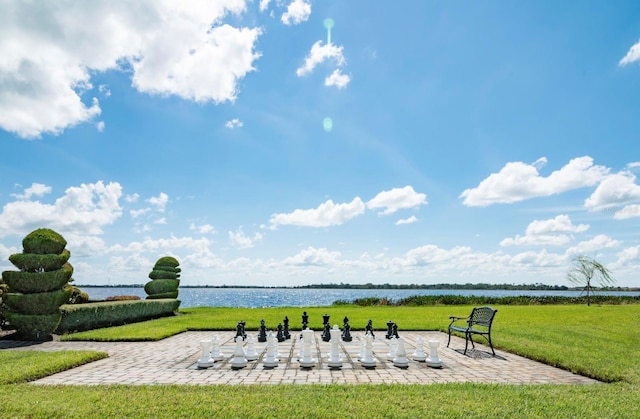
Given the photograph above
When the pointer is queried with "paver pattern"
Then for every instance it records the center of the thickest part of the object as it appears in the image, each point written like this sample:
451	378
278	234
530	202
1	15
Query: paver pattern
174	361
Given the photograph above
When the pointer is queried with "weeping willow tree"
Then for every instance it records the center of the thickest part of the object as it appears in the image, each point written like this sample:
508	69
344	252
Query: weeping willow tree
585	270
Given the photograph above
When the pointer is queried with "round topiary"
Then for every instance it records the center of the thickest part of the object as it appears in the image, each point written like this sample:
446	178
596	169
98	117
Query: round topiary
161	286
32	282
43	241
171	295
159	274
167	261
34	326
39	303
32	262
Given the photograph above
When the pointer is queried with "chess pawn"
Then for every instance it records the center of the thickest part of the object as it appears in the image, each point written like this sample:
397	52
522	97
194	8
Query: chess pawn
393	348
239	359
205	360
334	358
418	354
307	360
239	331
280	334
433	360
270	360
216	355
368	361
251	354
401	360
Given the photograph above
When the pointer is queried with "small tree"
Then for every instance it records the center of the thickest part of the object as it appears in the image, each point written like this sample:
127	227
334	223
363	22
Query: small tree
584	270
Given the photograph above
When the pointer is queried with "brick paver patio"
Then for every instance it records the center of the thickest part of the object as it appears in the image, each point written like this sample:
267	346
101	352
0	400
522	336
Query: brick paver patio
174	361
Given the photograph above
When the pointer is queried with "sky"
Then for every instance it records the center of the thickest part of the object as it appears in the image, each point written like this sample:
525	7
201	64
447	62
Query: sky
295	142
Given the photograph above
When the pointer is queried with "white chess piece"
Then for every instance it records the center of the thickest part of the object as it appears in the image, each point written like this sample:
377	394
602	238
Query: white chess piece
393	348
239	360
418	354
433	360
216	355
251	354
334	358
368	361
401	360
205	360
270	360
307	360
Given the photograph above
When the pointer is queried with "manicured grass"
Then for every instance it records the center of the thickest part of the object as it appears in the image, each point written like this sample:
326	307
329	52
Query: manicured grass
323	401
18	366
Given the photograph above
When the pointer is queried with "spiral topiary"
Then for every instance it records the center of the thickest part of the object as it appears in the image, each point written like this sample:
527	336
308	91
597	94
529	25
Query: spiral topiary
165	279
36	292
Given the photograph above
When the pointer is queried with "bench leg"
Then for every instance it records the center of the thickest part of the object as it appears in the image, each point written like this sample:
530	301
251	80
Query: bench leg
449	341
491	344
466	342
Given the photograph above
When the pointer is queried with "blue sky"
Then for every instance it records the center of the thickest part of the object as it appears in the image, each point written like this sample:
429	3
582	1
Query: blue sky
421	142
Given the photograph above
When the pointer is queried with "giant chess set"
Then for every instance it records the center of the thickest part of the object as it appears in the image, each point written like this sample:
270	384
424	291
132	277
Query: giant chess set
334	348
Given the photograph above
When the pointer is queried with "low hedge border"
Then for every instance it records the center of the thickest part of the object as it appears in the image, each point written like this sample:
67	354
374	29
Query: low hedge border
81	317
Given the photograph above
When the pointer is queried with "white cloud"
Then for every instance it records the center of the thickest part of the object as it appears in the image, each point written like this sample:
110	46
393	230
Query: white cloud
36	189
589	247
163	246
162	220
537	240
397	198
409	220
169	47
614	190
518	181
629	211
633	165
139	212
337	79
318	54
234	123
313	257
132	198
629	257
633	55
202	229
83	210
100	126
264	5
297	12
541	232
327	214
241	241
160	202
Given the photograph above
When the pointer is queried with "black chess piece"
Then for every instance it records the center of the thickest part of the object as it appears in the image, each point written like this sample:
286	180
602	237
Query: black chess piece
395	331
305	321
389	334
369	329
280	335
287	335
262	334
326	332
240	331
346	331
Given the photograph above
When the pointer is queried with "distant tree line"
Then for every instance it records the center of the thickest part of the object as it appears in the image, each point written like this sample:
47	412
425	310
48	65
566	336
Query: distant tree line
467	286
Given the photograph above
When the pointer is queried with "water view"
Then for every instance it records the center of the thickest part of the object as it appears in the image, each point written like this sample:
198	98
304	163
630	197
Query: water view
296	297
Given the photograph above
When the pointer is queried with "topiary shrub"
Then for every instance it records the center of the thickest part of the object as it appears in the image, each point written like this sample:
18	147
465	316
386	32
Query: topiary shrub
78	296
122	298
35	293
165	279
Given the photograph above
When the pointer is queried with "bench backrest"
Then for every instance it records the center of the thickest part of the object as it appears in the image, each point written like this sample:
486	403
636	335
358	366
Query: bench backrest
482	316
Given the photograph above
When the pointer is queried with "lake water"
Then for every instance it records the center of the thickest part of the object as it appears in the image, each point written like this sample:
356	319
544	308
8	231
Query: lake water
286	297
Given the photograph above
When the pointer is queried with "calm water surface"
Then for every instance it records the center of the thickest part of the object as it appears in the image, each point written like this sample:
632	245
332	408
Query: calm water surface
279	297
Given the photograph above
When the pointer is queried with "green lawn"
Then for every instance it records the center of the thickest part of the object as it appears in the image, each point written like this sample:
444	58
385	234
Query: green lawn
599	341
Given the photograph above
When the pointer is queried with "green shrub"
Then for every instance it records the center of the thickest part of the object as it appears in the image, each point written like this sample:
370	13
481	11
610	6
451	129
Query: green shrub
43	241
32	282
167	261
34	326
161	286
160	274
80	317
172	294
122	298
78	296
38	303
31	262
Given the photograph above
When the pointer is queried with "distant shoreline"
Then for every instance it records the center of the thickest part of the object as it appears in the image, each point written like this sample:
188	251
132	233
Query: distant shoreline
482	286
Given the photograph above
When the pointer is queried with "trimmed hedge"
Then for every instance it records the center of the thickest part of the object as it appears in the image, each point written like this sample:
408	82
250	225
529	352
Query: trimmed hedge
32	282
32	262
80	317
161	286
43	241
162	274
38	303
172	294
34	326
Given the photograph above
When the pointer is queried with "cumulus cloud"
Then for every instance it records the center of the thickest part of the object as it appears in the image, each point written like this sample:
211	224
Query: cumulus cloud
137	213
337	79
162	245
50	52
518	181
298	11
160	201
616	189
202	229
313	257
83	210
589	247
628	211
545	232
132	198
36	189
629	257
264	5
320	53
234	123
327	214
397	198
409	220
632	55
241	241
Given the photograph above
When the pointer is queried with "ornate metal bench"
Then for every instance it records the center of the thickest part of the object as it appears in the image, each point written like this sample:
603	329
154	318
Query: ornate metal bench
478	323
